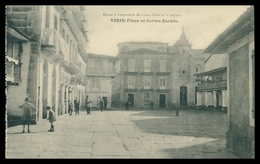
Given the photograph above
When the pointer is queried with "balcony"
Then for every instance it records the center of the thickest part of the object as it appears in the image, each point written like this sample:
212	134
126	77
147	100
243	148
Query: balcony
75	62
51	45
94	71
212	85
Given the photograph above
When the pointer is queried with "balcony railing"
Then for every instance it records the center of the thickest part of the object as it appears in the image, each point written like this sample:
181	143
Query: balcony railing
212	85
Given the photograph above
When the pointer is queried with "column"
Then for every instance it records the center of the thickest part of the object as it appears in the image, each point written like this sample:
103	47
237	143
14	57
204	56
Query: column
199	99
209	99
215	99
224	99
67	98
62	99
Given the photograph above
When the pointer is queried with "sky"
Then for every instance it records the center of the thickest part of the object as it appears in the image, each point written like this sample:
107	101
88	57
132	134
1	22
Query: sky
202	24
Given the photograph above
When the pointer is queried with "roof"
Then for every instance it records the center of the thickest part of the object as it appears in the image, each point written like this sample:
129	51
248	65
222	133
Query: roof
183	41
211	71
238	29
141	42
144	51
92	55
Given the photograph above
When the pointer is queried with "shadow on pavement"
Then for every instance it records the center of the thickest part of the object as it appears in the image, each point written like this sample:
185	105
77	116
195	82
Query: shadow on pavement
188	123
213	149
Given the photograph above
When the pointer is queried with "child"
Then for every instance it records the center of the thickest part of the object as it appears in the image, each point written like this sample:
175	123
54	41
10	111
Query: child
51	118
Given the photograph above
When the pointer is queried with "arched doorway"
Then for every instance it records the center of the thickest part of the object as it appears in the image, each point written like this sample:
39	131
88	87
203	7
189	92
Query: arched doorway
44	89
54	88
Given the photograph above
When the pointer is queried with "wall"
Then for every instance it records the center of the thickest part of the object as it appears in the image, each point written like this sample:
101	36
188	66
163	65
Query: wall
136	46
14	99
215	61
240	134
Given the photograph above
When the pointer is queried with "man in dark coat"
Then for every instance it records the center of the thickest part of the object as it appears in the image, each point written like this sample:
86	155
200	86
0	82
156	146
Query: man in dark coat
76	105
28	113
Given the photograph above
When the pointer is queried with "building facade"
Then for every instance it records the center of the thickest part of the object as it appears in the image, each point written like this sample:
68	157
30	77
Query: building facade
212	83
238	42
52	70
156	72
99	73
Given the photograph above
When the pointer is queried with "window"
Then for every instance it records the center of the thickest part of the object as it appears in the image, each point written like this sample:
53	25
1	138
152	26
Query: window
147	82
197	68
97	65
147	65
131	65
162	65
125	48
63	34
162	83
55	22
13	67
95	84
131	82
146	100
161	49
47	23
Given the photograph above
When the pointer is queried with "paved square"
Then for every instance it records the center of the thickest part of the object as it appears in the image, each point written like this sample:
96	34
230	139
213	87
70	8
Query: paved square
117	133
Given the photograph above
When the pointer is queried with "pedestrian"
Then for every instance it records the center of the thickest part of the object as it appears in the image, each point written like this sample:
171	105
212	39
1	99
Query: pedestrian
101	103
70	108
127	105
28	113
51	118
151	105
89	105
76	105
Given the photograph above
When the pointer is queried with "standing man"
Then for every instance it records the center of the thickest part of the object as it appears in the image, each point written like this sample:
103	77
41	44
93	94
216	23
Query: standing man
28	113
101	103
89	105
151	104
76	105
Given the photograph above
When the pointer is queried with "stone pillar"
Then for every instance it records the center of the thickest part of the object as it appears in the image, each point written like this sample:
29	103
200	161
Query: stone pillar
224	99
209	99
199	99
62	99
215	99
67	98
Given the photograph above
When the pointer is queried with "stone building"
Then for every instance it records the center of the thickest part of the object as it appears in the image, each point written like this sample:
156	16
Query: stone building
212	83
52	70
238	42
99	73
155	71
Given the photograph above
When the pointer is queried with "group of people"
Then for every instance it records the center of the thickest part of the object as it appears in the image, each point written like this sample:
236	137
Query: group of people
29	114
76	105
29	111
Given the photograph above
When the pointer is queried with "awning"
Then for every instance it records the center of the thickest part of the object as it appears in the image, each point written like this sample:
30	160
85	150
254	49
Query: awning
211	71
15	34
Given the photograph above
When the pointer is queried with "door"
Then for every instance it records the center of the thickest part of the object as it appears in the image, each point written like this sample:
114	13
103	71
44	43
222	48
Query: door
162	100
183	96
105	102
131	99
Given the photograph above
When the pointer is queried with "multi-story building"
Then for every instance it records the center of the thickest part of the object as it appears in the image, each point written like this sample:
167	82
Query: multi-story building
99	73
237	41
154	71
47	42
212	83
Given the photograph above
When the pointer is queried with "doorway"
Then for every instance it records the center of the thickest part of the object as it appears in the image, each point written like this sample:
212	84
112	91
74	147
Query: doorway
183	96
105	102
162	100
131	99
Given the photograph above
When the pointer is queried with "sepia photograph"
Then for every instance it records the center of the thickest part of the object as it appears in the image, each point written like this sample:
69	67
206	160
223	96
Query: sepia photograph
129	82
